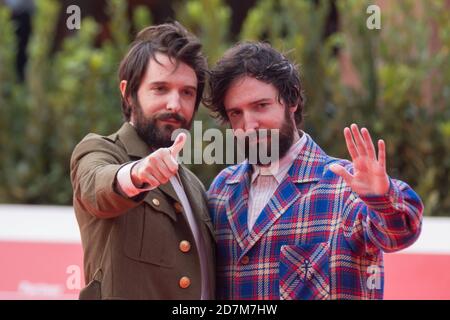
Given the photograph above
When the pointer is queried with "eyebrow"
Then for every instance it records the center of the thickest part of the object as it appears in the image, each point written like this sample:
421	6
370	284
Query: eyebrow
261	100
163	83
231	110
253	103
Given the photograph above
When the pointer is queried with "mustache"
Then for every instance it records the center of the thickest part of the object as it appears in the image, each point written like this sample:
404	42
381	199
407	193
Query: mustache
171	116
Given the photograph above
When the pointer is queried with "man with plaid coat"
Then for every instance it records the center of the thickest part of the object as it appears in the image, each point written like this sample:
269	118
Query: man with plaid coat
306	225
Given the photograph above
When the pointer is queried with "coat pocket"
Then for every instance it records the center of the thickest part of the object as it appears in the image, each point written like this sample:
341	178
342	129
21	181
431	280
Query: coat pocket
304	272
149	236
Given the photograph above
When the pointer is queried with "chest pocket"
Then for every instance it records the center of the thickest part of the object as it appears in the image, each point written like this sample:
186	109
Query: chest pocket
150	231
304	272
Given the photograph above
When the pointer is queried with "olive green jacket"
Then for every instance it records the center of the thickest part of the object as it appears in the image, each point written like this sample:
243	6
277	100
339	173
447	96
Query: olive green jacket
132	245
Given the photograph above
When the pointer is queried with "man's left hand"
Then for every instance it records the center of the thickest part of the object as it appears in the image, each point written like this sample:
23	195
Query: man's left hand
369	173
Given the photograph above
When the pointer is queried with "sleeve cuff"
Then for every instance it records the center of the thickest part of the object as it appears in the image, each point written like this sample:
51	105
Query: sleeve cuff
386	203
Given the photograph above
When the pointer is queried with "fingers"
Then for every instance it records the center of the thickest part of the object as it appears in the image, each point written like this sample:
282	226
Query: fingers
382	154
342	172
169	161
178	145
162	165
360	146
150	180
350	144
359	143
370	148
157	168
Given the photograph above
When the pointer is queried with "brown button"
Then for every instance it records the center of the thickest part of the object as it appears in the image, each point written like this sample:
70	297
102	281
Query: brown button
178	207
185	282
245	260
155	202
185	246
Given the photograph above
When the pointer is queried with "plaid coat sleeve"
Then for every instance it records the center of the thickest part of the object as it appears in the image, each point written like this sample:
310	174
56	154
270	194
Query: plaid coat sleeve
390	222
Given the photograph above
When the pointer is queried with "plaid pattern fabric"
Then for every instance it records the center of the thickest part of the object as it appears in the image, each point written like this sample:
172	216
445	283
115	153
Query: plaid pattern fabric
315	239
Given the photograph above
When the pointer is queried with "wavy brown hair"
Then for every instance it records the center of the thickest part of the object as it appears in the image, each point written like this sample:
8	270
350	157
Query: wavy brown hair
261	61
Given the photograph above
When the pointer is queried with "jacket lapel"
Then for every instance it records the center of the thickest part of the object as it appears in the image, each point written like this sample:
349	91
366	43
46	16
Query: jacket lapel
195	196
237	205
285	195
169	190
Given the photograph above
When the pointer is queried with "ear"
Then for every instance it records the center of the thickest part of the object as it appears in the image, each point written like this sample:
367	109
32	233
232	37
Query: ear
123	87
292	110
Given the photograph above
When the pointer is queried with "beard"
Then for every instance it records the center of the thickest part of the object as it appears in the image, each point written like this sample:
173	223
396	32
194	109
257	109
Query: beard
258	146
154	135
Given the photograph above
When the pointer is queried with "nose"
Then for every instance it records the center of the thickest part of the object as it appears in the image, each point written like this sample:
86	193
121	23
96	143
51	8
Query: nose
250	122
174	102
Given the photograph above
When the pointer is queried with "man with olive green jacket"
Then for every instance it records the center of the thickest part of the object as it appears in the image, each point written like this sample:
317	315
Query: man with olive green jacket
143	218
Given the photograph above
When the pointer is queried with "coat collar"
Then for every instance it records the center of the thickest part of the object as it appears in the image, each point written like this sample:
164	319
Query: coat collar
309	164
134	145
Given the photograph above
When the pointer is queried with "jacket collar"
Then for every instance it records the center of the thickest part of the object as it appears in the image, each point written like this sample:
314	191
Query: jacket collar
134	145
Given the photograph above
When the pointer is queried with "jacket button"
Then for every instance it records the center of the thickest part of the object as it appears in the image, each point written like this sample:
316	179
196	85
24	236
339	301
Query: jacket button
245	260
178	207
185	246
185	282
155	202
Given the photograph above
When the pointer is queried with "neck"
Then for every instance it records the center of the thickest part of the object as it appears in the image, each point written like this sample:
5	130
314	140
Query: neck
297	135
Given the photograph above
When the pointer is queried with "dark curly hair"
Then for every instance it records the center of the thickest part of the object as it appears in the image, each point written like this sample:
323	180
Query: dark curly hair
171	39
261	61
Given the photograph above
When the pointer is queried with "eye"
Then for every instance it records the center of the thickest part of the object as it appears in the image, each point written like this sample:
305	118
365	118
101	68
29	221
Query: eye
263	105
188	92
234	113
159	89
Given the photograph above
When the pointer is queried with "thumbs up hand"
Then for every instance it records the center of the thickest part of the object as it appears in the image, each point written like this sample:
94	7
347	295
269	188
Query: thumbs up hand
178	145
159	166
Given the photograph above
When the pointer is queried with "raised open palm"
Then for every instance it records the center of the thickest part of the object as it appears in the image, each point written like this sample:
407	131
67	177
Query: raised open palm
369	173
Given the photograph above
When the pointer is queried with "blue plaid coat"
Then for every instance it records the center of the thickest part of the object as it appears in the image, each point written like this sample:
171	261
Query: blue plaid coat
315	239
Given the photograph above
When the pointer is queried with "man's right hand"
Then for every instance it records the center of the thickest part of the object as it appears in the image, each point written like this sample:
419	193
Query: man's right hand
158	167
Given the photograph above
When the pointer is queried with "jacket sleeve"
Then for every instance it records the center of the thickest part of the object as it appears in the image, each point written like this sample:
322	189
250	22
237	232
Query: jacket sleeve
389	223
94	166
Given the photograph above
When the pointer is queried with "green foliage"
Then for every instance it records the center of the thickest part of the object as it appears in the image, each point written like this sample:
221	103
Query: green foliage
141	18
210	21
395	81
12	108
66	95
